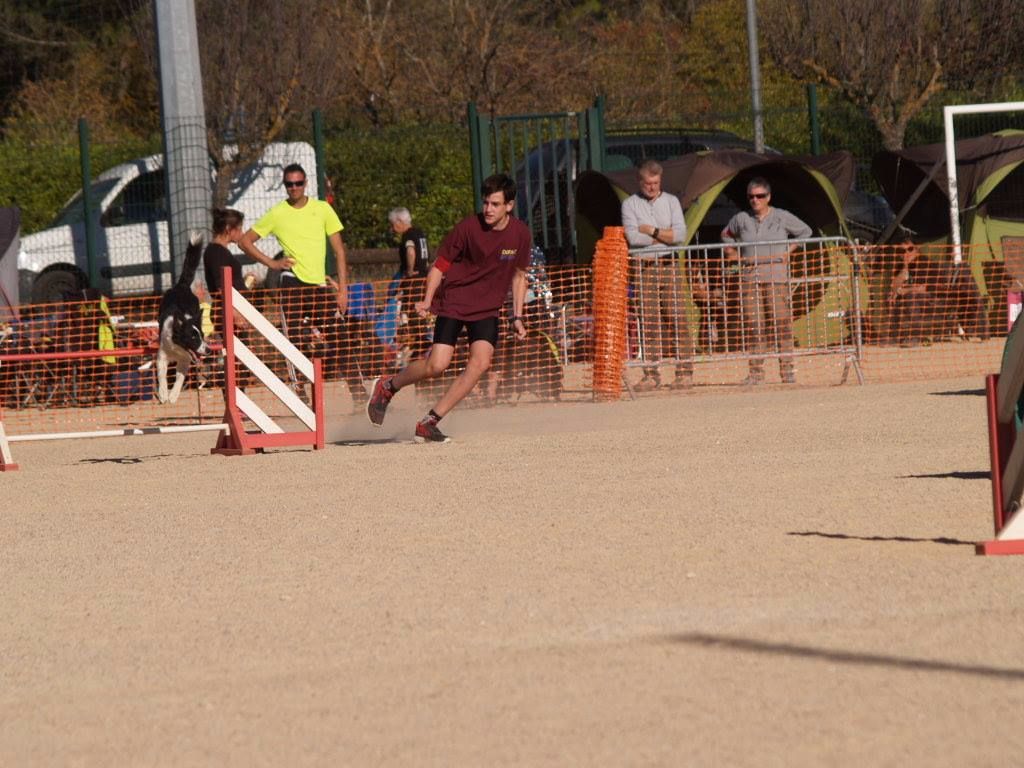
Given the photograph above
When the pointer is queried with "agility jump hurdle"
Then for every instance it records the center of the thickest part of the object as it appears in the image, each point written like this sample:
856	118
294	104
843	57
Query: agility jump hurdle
1004	396
236	440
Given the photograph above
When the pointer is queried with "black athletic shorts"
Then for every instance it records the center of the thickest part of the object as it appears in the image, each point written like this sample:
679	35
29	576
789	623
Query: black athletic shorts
447	330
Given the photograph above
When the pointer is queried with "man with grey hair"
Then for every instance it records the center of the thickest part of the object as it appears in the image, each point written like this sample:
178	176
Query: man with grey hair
651	217
765	297
412	245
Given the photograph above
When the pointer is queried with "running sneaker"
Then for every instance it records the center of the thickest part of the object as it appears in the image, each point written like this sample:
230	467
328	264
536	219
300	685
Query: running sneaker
427	432
380	396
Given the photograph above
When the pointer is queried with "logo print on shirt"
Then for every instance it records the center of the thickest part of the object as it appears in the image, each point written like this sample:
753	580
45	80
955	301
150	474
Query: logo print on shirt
507	254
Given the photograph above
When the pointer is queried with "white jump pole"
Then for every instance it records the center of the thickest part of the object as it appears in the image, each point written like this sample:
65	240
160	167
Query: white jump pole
948	114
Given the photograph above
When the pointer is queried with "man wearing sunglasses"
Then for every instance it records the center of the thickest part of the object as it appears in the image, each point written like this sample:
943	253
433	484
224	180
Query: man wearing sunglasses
765	298
304	226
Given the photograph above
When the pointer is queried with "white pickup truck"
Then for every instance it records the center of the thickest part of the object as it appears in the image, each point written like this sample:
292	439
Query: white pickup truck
130	212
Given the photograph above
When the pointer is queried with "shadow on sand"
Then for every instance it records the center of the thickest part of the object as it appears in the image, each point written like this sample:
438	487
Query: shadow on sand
901	539
834	656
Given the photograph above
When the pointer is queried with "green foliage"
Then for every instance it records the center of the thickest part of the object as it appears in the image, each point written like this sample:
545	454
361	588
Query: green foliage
40	178
423	168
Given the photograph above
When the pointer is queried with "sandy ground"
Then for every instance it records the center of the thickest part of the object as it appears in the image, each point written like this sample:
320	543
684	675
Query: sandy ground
780	578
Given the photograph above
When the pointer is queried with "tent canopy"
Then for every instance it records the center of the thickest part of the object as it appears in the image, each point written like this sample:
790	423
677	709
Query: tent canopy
813	188
989	179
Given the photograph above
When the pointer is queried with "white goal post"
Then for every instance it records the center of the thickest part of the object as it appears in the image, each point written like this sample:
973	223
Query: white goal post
948	113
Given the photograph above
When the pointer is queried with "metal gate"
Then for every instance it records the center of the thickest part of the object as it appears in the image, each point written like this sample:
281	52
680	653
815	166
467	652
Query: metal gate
543	153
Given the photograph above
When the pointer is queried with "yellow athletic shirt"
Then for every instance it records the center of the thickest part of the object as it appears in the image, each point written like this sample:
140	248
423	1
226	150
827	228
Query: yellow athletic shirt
302	232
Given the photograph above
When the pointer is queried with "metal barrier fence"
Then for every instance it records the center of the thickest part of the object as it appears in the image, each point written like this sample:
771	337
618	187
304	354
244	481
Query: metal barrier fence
707	303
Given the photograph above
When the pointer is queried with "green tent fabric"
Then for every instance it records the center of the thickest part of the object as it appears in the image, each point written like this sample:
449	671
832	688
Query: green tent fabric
811	187
990	185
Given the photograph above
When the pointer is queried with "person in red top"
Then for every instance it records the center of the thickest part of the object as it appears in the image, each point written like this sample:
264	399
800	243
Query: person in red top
477	262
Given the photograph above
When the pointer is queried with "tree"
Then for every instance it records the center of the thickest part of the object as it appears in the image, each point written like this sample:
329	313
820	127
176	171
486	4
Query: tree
891	57
59	63
492	53
264	66
373	62
635	62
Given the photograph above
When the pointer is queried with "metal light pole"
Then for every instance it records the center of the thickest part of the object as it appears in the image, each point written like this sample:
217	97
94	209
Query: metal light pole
183	122
755	76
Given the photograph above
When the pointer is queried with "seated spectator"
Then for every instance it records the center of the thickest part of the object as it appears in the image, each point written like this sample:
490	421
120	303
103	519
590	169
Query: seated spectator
913	298
931	299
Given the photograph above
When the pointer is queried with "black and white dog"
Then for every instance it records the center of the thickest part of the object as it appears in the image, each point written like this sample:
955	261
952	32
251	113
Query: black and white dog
181	321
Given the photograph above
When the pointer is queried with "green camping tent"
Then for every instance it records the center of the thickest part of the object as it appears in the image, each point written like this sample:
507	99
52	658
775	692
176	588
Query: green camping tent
712	186
990	184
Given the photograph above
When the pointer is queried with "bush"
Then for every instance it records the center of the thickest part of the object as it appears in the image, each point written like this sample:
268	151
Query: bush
40	178
423	168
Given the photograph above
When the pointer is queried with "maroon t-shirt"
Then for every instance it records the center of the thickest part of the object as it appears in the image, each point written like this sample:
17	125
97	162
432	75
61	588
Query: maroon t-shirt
478	264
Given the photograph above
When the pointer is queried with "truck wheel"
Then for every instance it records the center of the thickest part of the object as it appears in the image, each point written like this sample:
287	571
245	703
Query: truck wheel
54	285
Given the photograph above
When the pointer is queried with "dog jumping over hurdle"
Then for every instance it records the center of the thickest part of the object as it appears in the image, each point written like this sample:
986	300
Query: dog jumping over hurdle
180	321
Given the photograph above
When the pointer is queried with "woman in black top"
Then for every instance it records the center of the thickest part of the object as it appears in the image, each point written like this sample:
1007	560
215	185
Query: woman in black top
227	229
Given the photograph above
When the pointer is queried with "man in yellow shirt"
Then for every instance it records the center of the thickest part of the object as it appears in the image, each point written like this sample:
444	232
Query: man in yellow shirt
303	226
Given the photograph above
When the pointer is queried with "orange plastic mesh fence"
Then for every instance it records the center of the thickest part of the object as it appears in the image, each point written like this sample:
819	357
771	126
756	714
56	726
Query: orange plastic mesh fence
926	316
88	364
611	283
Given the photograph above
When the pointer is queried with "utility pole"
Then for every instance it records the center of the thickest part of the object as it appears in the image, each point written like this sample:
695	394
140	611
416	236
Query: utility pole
755	76
183	124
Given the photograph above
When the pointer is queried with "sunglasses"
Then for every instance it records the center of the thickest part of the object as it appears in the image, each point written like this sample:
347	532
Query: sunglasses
758	196
290	184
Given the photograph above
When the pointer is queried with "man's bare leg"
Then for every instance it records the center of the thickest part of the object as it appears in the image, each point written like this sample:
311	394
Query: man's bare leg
440	357
384	388
480	356
434	364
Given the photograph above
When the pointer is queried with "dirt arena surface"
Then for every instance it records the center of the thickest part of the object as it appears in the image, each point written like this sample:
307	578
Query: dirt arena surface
780	578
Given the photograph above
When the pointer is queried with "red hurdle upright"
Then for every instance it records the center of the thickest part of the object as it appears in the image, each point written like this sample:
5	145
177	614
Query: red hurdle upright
237	441
1006	449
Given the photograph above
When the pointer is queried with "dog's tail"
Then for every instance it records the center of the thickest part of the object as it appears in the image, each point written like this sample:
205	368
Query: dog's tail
192	256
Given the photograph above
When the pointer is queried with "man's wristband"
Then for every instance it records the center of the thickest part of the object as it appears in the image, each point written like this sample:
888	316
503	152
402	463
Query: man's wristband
655	233
519	318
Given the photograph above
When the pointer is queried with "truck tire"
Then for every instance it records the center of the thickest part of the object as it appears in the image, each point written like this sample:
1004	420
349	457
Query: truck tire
54	284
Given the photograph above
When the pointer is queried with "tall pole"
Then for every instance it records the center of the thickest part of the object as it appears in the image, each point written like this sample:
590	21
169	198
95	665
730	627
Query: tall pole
183	123
87	202
755	76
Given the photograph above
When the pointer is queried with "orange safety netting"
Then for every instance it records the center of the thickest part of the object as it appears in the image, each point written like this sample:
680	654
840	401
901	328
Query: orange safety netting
611	278
87	363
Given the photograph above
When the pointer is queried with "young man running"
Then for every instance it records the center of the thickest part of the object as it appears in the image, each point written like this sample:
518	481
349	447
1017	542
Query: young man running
477	262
